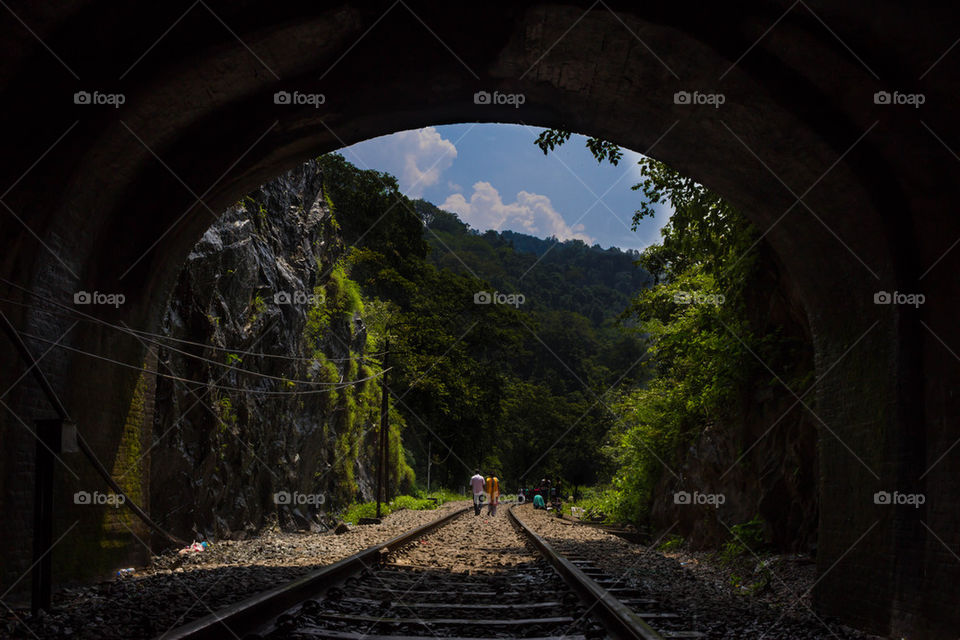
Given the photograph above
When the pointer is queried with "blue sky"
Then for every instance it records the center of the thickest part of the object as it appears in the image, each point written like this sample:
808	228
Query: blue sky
494	177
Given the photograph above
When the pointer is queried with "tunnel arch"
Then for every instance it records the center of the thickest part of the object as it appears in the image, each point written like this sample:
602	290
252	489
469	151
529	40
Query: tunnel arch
876	185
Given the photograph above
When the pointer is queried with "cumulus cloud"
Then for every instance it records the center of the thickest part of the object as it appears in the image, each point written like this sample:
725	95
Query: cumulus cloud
426	155
417	157
530	213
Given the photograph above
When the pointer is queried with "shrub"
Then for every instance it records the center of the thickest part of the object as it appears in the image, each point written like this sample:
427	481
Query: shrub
747	536
671	542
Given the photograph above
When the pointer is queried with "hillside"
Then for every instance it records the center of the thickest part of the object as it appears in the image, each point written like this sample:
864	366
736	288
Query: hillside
571	275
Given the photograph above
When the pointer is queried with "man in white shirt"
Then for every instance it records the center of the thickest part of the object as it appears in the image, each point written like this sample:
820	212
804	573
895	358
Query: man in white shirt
477	484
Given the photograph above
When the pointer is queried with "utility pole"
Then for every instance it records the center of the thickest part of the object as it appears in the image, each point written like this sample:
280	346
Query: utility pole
385	423
382	445
429	462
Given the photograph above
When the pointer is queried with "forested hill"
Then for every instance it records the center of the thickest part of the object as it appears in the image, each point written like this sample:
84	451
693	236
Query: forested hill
571	275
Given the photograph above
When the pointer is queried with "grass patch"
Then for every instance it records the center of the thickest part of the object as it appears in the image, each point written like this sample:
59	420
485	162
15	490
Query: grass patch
356	511
671	542
418	502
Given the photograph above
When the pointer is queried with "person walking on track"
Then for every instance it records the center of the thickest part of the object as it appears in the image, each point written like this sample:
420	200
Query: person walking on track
477	484
493	494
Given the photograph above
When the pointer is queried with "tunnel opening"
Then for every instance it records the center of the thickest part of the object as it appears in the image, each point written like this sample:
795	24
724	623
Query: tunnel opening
258	298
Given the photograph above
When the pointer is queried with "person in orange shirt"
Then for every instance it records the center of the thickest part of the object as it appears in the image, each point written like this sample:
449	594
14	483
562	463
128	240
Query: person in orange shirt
493	495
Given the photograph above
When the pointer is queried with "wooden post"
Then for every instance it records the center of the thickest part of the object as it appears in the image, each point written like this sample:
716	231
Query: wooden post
48	446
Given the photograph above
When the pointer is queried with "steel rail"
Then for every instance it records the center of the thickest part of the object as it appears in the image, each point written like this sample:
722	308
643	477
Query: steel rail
618	618
235	620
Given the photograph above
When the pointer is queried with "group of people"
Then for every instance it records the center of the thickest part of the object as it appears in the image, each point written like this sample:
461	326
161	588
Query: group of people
547	492
489	487
487	490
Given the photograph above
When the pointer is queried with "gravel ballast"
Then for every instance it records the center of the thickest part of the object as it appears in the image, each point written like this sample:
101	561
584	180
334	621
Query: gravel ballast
765	597
707	594
471	544
176	588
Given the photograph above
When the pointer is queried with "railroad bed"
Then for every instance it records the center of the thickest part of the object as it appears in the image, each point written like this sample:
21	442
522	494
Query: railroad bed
461	576
416	602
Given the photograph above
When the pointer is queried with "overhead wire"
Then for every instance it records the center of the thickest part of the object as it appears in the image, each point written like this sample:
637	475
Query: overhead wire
329	386
72	312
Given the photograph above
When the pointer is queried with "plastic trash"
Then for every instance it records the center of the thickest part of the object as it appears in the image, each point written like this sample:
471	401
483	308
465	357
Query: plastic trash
196	547
125	572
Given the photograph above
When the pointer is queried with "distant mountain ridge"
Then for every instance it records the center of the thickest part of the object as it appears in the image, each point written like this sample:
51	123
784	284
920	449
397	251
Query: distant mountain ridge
569	275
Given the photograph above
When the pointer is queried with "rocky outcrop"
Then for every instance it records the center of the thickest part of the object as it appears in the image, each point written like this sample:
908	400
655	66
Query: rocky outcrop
763	458
256	422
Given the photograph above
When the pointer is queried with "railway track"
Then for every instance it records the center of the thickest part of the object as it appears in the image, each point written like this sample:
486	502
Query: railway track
415	585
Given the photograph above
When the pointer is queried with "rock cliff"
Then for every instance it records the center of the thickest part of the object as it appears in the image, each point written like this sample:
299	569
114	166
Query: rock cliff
264	417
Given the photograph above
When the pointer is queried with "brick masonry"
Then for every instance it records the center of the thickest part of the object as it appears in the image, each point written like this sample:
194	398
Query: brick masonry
799	118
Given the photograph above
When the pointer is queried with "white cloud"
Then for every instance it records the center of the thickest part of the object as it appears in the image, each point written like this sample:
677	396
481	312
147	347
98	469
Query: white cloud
530	213
417	157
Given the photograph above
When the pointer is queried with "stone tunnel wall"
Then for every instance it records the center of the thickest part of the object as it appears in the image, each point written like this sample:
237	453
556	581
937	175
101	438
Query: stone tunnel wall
108	210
